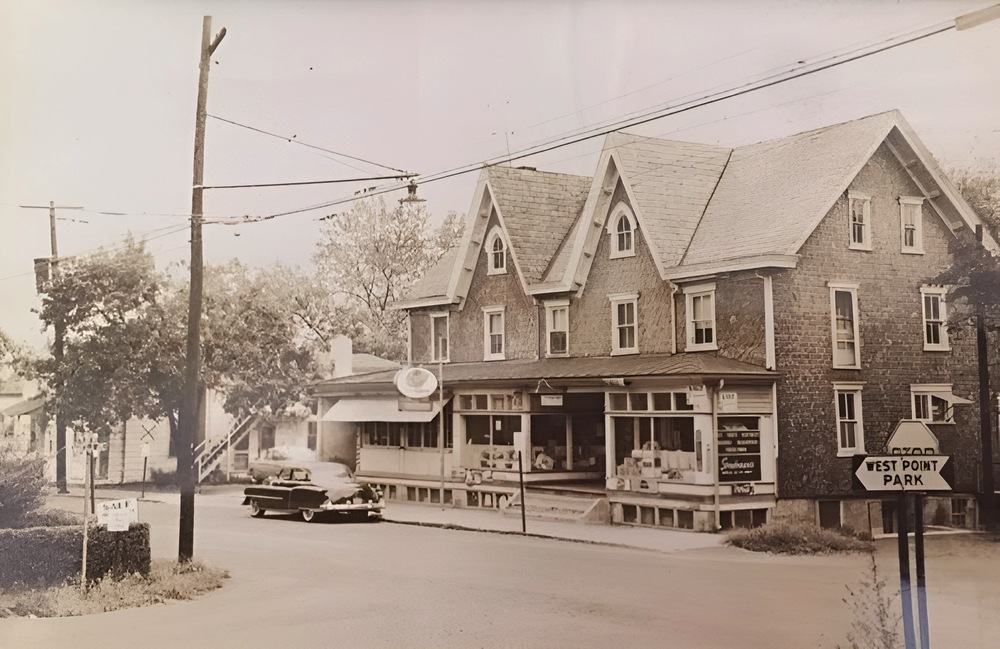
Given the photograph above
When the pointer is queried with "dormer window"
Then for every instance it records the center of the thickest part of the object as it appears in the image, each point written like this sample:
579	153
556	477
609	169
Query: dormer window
496	249
621	228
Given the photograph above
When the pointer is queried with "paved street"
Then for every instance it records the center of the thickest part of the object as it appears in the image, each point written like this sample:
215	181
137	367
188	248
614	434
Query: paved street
387	585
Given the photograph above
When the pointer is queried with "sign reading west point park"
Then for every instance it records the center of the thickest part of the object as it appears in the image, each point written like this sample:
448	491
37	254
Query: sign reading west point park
915	464
118	514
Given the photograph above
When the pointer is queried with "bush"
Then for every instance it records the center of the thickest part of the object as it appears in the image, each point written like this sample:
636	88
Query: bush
51	518
795	538
44	556
163	478
22	487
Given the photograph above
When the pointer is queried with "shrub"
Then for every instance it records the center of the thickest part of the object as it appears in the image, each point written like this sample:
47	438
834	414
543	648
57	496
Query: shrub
43	556
51	518
795	538
22	486
163	478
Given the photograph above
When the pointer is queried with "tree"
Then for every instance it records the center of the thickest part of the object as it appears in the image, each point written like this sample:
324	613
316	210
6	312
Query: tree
980	187
126	331
368	258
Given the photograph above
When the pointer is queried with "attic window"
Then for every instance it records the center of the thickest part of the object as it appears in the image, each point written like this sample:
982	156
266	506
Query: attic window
860	221
496	249
621	228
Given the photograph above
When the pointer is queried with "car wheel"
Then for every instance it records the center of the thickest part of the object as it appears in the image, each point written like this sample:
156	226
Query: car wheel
308	515
255	509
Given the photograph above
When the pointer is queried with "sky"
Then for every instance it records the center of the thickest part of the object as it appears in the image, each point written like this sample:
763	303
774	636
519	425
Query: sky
97	104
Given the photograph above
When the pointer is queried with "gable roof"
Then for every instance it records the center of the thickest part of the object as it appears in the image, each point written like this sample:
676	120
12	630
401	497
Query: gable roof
670	184
774	194
537	209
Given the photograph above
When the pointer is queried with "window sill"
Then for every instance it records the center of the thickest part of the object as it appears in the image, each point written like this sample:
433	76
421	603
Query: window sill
849	453
855	246
845	367
935	348
912	251
494	358
622	254
557	355
623	352
494	271
702	348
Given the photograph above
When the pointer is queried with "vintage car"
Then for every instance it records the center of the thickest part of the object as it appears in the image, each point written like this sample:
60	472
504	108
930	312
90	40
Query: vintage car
272	462
292	491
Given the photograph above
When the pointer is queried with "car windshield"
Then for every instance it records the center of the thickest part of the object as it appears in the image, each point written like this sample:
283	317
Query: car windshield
299	474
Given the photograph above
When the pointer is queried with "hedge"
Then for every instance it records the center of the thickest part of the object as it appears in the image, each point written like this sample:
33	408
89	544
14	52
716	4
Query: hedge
47	556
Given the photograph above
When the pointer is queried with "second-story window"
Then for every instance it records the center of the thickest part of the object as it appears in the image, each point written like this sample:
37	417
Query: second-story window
622	227
699	300
911	224
844	317
935	319
860	221
624	323
496	248
557	326
850	425
439	336
493	333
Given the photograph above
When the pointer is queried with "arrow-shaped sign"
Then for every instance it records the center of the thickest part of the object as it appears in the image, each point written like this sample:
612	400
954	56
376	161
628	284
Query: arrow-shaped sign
901	472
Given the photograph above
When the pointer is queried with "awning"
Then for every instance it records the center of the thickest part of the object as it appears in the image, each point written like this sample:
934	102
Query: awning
23	407
378	410
950	398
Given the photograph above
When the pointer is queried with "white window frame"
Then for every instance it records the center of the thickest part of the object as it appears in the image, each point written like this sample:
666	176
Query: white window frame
489	355
616	300
906	202
854	389
699	291
550	308
842	287
496	236
940	293
866	226
447	337
927	392
621	211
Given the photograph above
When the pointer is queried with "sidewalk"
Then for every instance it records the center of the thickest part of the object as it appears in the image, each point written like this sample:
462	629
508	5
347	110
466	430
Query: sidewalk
474	519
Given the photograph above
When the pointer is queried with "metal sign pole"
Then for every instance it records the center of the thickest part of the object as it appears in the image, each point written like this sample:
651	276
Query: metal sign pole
905	595
520	474
145	460
441	428
83	569
925	636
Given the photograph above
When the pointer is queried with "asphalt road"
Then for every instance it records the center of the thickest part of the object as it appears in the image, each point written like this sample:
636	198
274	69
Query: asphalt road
383	585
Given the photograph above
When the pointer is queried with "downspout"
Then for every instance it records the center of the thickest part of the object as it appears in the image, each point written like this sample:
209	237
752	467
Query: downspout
673	317
715	454
769	351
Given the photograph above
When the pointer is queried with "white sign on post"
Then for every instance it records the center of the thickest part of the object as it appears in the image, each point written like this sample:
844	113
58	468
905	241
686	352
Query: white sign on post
144	450
903	473
118	514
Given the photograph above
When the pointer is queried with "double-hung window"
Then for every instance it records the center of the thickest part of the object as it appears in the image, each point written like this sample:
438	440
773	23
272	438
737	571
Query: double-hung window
699	300
439	336
850	423
844	322
860	210
624	323
935	318
911	224
557	326
493	333
622	227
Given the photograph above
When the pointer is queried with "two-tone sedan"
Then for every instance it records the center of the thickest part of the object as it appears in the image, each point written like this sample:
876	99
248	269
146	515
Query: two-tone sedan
292	491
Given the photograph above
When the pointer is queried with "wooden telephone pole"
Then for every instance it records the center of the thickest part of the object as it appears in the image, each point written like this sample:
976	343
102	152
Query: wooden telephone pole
57	347
189	411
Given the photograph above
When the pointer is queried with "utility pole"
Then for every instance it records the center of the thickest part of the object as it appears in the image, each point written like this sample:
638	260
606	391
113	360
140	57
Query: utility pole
58	349
987	499
189	411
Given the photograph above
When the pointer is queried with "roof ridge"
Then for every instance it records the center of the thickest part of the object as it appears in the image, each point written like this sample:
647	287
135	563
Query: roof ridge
828	127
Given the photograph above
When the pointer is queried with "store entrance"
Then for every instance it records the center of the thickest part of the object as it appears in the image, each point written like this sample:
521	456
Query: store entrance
568	442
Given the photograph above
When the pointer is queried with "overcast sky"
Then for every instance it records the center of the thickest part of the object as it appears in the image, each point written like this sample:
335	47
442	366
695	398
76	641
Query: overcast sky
98	97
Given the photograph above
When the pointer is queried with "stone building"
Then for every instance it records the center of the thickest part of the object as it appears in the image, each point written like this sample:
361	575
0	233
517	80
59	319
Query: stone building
696	337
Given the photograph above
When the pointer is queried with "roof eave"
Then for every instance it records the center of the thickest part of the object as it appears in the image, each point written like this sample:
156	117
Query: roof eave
744	263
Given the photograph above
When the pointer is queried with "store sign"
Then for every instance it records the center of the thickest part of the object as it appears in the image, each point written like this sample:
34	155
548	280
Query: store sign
743	489
552	399
728	402
739	456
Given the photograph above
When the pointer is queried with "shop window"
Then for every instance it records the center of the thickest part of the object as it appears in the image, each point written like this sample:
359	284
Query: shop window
618	400
844	322
860	207
638	401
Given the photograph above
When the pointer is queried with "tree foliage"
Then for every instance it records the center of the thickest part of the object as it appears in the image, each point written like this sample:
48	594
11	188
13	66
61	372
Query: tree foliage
980	187
368	258
126	327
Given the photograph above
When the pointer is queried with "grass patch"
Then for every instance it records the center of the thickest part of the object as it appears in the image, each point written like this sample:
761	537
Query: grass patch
167	580
796	537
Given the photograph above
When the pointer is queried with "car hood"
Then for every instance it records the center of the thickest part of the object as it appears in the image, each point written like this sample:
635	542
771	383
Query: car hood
344	490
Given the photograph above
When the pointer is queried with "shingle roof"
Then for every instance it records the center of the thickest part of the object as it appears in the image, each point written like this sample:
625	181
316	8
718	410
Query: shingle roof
538	210
572	368
435	281
23	407
774	193
672	183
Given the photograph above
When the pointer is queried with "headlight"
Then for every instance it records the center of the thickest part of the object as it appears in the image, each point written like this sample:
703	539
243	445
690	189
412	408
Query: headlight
327	504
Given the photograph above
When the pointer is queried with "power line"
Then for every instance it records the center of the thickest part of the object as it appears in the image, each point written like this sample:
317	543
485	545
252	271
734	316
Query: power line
311	146
310	182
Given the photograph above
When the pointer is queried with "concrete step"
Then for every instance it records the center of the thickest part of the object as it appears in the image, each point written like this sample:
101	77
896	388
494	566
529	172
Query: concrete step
560	508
